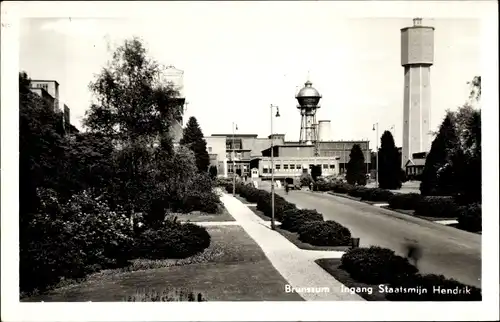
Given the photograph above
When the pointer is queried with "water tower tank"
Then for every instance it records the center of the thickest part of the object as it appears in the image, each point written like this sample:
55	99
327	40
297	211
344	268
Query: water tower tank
175	77
324	130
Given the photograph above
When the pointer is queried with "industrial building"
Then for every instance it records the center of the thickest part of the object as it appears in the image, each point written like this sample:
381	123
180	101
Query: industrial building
417	56
247	155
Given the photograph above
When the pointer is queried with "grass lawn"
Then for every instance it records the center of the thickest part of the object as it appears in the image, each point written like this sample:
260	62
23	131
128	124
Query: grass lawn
259	213
331	265
199	216
233	268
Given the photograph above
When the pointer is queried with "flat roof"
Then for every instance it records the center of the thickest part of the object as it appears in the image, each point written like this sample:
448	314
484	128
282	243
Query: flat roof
45	80
235	135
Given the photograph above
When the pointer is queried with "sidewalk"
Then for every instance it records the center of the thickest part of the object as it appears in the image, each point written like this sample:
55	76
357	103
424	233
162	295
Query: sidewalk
297	266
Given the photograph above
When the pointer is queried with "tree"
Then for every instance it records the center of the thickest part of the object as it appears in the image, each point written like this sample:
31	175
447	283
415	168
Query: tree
134	110
438	176
193	138
213	171
316	171
475	89
356	167
389	163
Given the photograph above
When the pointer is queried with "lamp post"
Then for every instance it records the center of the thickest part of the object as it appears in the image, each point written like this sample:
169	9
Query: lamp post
233	154
273	226
375	128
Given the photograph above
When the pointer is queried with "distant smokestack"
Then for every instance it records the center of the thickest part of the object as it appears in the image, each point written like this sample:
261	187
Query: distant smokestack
324	130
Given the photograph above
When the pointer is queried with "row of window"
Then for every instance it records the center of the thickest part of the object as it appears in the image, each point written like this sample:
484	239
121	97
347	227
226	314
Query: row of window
298	166
44	86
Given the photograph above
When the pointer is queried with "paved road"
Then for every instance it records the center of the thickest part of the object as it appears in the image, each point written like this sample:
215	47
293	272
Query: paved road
446	250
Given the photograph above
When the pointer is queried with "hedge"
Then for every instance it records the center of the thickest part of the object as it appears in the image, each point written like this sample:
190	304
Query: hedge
264	204
324	233
438	207
432	287
293	219
342	188
376	265
405	201
470	217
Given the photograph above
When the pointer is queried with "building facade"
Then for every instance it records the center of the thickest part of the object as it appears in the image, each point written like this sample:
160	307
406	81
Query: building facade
51	87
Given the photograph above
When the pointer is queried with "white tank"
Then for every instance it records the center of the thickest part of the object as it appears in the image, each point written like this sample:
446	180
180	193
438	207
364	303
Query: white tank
175	77
324	130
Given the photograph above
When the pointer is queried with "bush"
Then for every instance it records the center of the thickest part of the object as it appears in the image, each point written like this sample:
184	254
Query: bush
470	217
405	201
293	219
342	188
71	240
204	201
264	204
173	240
305	180
438	207
432	282
324	233
376	265
358	192
377	195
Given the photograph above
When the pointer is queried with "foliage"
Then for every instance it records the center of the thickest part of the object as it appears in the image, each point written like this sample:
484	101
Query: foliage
405	201
389	163
356	170
212	171
71	240
194	139
316	172
324	233
439	207
470	217
293	219
376	265
172	240
376	194
167	295
342	188
305	179
430	283
264	204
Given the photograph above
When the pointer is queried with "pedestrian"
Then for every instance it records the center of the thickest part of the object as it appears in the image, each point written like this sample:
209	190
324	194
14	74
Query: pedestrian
286	187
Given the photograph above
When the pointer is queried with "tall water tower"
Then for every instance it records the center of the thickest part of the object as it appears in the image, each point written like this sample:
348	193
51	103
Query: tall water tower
417	57
308	98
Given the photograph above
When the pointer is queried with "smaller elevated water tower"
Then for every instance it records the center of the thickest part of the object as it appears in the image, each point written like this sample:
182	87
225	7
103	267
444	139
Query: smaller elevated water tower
308	103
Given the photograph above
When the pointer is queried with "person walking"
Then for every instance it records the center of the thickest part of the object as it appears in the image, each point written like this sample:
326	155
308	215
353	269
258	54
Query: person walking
286	187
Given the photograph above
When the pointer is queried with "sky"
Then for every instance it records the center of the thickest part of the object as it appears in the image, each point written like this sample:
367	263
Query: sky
237	63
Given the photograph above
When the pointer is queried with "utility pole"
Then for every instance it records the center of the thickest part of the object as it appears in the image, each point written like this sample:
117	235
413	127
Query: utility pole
273	225
375	128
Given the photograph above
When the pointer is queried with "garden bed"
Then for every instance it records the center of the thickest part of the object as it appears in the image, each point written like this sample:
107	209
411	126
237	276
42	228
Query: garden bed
332	266
259	213
200	217
233	268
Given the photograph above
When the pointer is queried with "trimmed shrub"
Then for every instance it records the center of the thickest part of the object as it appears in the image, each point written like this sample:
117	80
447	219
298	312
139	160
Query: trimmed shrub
376	265
293	219
470	217
405	201
342	188
173	240
439	207
433	288
377	195
280	206
324	233
358	192
204	201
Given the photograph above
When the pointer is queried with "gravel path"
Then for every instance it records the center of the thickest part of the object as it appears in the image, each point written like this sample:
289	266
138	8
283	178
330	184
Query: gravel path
297	266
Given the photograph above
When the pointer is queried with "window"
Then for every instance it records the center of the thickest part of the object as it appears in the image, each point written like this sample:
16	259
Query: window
325	166
332	166
265	170
238	155
277	166
209	149
285	166
298	166
292	166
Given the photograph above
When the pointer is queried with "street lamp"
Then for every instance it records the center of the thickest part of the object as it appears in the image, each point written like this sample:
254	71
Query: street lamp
375	127
233	154
273	226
